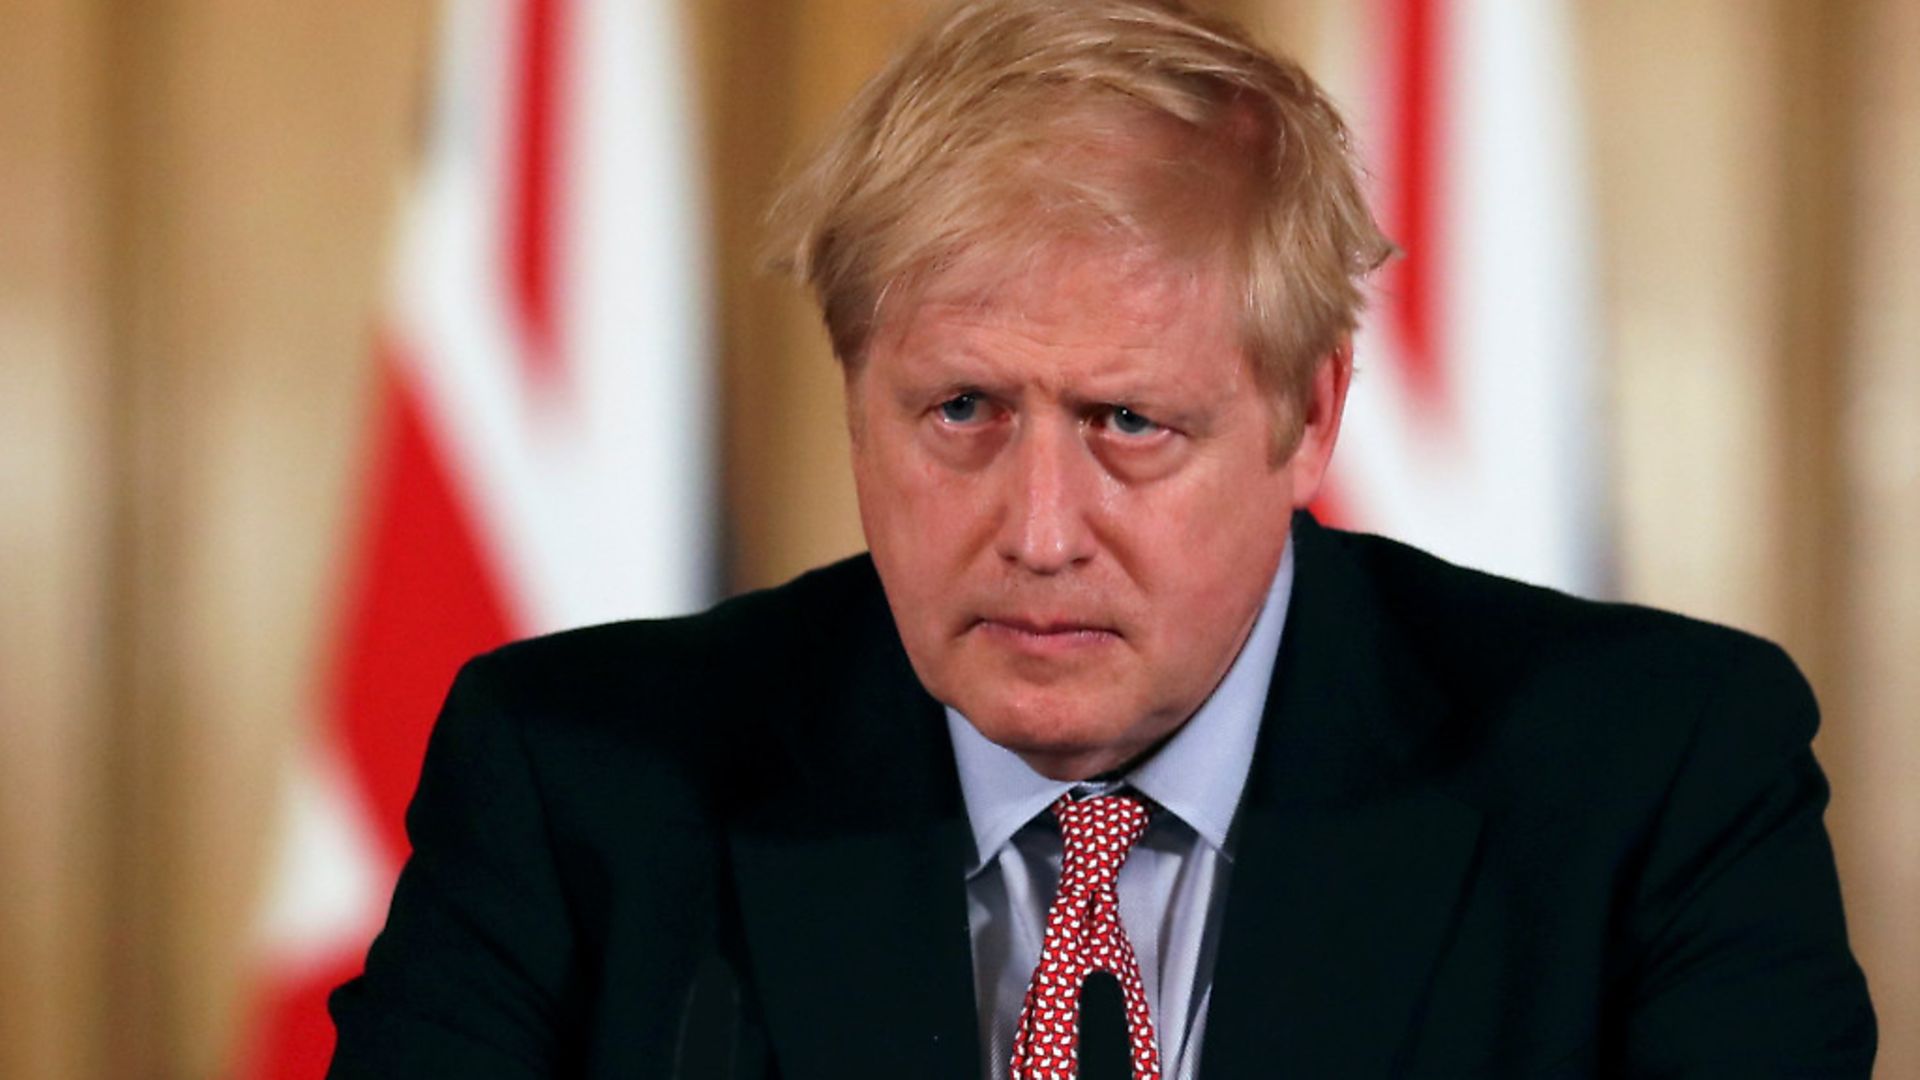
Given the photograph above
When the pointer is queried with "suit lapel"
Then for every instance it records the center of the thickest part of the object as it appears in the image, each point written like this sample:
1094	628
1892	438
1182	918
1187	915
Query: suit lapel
1334	922
850	867
861	953
1349	865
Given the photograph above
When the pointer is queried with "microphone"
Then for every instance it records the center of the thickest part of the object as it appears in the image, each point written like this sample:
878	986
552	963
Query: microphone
1106	1053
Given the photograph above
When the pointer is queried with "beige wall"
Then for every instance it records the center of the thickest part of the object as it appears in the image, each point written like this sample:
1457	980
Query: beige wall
53	557
194	205
253	163
194	200
1875	555
1760	197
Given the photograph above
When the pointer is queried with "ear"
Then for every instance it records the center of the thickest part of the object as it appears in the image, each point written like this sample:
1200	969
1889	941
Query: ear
1321	410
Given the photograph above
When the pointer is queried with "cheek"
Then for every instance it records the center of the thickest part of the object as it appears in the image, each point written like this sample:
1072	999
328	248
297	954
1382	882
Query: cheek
909	497
923	521
1212	546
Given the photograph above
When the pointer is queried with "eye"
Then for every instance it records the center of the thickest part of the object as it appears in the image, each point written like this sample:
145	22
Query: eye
961	409
1127	422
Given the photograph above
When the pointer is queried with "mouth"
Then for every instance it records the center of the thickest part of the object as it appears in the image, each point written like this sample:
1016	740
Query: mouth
1045	635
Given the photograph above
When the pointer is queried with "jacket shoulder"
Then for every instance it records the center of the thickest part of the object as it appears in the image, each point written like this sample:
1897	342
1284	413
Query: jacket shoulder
671	703
707	653
1566	696
1482	623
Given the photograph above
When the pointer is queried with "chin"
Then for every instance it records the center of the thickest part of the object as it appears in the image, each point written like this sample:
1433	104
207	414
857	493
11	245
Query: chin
1064	740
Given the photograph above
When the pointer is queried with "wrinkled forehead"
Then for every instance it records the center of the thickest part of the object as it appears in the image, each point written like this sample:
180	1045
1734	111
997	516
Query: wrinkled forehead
1065	279
1079	318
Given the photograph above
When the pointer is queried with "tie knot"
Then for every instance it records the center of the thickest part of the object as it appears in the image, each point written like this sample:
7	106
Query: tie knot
1096	836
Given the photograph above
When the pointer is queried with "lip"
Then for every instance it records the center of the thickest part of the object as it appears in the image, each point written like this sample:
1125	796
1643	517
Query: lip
1044	635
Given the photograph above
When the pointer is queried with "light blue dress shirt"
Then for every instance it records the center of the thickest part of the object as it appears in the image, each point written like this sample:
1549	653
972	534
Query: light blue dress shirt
1173	887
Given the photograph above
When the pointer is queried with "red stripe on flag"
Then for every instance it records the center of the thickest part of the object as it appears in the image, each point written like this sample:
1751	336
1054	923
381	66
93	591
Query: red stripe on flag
292	1036
532	254
1412	288
422	599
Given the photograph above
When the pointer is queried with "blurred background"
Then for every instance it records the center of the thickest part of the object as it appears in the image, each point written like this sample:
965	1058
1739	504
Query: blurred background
338	341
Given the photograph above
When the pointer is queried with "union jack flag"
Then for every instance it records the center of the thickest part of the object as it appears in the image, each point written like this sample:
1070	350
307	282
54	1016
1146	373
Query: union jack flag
1473	425
542	454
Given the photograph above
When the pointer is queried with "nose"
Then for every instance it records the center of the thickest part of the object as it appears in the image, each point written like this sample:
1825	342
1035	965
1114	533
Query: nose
1051	491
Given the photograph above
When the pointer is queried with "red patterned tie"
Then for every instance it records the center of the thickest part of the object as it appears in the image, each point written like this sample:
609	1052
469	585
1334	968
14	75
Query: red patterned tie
1083	936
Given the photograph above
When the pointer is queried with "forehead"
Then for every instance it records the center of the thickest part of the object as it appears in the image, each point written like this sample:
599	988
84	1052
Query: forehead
1080	326
1072	292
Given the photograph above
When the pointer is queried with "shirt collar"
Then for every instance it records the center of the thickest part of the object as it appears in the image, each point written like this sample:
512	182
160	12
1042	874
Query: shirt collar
1198	775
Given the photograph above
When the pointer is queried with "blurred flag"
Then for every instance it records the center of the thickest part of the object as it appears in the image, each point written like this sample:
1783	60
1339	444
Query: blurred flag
541	457
1472	427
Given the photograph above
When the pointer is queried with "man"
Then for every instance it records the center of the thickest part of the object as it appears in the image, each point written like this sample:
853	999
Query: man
1109	756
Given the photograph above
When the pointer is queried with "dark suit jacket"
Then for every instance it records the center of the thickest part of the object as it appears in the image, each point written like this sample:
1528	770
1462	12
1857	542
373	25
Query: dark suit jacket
1490	831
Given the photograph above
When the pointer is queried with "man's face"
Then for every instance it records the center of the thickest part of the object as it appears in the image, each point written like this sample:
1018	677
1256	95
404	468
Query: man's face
1071	495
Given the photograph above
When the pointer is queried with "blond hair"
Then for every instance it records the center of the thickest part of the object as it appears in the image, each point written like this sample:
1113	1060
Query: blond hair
1008	126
